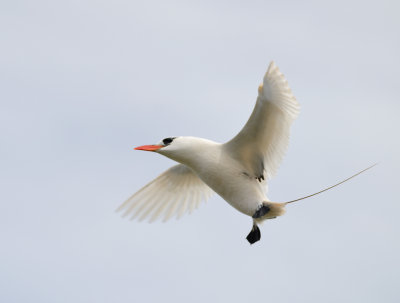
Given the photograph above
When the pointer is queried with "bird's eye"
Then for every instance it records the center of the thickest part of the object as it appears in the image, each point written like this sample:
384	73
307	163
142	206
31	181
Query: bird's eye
167	141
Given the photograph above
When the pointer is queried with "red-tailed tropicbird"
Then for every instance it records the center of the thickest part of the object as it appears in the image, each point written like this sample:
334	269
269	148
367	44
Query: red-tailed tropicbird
237	170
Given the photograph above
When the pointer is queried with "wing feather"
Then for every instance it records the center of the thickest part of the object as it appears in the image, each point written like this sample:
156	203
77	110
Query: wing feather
262	143
175	192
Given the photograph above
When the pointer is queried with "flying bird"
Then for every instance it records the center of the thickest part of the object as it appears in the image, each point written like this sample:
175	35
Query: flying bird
237	170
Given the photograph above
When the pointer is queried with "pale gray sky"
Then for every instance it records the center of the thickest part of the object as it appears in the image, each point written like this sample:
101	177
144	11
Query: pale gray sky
83	82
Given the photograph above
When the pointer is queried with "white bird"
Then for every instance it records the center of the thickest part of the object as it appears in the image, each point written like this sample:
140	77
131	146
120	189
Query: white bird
237	170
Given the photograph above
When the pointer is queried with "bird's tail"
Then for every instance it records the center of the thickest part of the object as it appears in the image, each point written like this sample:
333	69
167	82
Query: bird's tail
330	187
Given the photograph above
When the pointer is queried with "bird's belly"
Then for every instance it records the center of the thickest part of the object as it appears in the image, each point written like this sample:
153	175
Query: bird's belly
241	192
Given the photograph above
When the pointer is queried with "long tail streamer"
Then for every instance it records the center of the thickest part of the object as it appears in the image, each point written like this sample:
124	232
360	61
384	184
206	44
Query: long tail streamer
330	187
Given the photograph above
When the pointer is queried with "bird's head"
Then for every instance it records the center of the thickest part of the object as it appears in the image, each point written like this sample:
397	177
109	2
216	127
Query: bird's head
180	149
172	147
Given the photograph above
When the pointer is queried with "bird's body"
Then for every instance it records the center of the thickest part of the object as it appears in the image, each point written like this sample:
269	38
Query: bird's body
237	170
226	176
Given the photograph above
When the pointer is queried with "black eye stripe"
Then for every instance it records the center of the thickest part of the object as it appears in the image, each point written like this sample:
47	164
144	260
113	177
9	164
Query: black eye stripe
167	141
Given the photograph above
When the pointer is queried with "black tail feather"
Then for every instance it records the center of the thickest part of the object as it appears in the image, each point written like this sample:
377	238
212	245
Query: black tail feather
261	211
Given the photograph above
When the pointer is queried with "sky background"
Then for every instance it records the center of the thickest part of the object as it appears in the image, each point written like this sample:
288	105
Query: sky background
83	82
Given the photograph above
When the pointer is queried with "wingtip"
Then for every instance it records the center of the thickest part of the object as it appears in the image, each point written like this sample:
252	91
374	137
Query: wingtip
271	66
119	209
273	72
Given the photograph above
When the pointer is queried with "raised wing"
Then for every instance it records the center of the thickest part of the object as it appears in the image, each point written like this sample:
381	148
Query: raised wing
263	141
175	192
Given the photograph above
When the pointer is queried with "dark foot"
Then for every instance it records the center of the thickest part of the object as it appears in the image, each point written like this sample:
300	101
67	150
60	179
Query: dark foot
261	211
254	235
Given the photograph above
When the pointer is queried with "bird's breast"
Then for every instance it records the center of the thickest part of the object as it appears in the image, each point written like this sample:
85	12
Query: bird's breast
233	185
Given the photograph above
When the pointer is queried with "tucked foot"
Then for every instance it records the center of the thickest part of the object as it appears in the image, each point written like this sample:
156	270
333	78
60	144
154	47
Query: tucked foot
261	211
254	235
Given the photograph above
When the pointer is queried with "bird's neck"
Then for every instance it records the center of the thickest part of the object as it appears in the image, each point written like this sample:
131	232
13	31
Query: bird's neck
199	154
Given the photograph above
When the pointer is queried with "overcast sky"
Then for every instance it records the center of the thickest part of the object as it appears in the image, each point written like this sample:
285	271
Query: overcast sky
83	82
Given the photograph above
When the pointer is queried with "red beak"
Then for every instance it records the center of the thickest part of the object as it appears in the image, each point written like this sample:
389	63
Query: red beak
149	147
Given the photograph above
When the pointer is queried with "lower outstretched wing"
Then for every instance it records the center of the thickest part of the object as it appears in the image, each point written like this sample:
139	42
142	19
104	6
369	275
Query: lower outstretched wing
175	192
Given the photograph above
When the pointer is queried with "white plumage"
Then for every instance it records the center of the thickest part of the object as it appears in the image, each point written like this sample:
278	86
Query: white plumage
175	192
266	133
237	170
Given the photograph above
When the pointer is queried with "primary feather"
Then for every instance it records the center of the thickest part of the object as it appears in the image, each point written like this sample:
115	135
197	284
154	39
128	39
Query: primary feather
175	192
